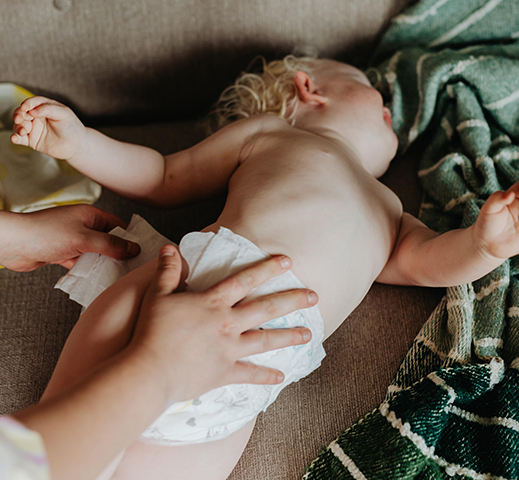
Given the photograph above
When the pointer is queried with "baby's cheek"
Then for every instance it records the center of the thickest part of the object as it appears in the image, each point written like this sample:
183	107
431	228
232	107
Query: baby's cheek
367	102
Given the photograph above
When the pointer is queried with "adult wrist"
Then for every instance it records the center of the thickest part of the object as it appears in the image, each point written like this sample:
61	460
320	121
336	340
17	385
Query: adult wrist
146	366
13	233
161	374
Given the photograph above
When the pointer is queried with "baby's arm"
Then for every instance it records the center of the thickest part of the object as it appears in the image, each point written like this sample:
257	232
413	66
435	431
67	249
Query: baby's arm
422	257
134	171
52	128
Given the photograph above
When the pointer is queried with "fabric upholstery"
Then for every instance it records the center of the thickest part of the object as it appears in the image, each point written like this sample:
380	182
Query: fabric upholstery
174	57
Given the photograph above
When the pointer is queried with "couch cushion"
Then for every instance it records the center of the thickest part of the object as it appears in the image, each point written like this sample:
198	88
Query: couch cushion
169	56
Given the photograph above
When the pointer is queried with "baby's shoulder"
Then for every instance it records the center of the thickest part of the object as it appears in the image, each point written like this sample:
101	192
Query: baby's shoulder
258	131
251	128
263	123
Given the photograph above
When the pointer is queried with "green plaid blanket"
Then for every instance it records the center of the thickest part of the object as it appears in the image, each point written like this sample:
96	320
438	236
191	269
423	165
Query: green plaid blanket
450	69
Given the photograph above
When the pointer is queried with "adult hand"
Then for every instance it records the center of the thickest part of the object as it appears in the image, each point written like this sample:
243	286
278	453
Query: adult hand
59	235
198	339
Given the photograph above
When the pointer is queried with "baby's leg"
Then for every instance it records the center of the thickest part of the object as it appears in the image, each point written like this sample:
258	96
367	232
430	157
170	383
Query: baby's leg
205	461
103	330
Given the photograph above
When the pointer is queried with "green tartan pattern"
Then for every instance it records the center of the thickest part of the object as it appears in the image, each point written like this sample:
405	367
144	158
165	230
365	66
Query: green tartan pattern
450	69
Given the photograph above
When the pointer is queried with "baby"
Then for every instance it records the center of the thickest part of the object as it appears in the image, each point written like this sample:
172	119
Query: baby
300	150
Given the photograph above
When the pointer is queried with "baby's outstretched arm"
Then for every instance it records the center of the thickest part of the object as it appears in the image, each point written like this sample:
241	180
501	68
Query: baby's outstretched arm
52	128
134	171
422	257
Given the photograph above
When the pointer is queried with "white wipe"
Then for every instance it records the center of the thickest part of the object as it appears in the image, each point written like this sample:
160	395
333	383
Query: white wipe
211	258
93	273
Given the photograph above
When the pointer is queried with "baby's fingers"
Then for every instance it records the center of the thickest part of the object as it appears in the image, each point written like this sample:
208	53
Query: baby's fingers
39	107
50	111
249	373
23	128
20	116
20	140
497	201
33	102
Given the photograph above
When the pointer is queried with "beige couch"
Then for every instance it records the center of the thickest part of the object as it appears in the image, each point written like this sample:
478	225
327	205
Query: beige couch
144	71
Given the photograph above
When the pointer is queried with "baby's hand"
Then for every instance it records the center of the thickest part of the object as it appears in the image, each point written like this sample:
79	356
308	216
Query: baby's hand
497	226
48	127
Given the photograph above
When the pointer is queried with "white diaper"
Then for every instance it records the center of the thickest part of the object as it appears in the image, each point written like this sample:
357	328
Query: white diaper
220	412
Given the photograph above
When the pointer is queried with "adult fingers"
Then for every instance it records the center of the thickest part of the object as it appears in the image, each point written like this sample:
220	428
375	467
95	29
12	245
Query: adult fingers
237	286
110	245
100	220
260	341
168	272
244	372
261	310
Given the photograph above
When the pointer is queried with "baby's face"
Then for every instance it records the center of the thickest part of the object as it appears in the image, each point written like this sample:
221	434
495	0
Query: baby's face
357	110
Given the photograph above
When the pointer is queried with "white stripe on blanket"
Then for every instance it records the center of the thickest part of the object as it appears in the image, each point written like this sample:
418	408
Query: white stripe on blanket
468	22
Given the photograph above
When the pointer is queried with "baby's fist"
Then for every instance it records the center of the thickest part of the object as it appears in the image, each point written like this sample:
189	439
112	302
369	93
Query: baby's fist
497	226
48	127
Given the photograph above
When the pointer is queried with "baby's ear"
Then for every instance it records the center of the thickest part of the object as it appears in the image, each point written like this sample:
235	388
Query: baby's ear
307	90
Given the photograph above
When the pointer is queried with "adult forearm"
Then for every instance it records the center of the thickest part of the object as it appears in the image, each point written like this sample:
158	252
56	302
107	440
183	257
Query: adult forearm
130	170
14	232
87	425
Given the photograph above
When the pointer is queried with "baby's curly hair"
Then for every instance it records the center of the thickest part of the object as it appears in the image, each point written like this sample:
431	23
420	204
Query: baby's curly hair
270	91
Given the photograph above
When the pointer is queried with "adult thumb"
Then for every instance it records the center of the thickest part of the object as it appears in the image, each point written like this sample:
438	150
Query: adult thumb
167	276
111	246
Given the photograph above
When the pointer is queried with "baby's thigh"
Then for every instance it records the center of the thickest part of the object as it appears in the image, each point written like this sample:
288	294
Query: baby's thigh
103	330
208	461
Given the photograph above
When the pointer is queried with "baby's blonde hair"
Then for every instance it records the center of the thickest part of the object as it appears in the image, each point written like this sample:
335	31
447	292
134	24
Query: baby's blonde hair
271	91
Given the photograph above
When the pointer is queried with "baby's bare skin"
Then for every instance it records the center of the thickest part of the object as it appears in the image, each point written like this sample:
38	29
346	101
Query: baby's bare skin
309	197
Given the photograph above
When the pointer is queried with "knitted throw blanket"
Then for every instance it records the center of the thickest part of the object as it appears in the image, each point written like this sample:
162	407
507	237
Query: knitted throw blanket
451	71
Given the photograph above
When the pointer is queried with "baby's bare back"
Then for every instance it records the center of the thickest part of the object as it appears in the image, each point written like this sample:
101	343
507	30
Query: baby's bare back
302	195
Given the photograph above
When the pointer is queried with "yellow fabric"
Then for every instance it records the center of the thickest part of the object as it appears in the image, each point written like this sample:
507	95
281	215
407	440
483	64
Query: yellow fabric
22	452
